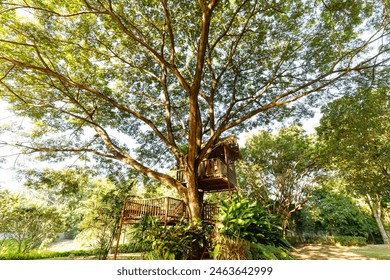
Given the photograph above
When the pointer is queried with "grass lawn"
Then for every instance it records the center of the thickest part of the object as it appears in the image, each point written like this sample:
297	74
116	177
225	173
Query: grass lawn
380	252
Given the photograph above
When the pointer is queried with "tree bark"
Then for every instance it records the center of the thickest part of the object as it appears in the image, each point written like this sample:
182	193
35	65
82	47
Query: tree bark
193	200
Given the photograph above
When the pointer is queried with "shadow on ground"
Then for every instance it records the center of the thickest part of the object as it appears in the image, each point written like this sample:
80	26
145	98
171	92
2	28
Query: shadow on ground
323	252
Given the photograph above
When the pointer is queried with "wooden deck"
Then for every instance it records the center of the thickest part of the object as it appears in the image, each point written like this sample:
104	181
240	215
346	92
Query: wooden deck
167	209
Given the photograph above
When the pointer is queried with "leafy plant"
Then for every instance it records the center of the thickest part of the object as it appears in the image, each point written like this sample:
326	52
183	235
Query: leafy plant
231	248
246	219
101	214
180	241
267	252
247	230
142	239
333	213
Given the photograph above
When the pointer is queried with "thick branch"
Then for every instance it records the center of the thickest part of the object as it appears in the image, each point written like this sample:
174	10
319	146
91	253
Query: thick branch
111	101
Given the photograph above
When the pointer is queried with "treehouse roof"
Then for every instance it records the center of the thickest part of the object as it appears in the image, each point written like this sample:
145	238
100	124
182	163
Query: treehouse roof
228	144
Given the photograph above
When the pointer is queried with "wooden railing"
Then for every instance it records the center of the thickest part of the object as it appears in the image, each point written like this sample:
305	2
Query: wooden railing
210	212
211	168
167	209
163	207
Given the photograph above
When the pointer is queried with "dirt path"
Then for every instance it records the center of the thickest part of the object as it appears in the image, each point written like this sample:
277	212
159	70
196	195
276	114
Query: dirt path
322	252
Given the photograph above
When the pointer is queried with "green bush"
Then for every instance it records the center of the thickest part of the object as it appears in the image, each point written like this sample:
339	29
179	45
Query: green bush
239	249
126	248
180	241
247	230
330	213
246	219
231	249
350	240
7	246
328	240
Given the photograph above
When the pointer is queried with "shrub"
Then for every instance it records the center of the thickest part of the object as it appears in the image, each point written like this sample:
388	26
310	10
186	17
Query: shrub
231	249
239	249
350	240
328	240
244	219
180	241
267	252
246	230
336	214
126	248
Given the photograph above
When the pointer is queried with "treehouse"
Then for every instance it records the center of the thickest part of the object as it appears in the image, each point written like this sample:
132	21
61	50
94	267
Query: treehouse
166	210
217	172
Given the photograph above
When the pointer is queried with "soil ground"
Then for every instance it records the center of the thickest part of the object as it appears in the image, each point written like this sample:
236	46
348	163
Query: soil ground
324	252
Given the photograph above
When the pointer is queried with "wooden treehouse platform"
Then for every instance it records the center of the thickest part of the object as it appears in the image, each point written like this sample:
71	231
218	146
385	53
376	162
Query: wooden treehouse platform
167	210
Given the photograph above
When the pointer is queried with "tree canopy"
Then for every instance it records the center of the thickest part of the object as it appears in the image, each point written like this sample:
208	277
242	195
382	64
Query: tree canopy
175	77
29	224
355	131
280	169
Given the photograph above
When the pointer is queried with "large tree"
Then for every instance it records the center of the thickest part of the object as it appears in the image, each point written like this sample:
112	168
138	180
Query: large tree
280	169
175	76
356	131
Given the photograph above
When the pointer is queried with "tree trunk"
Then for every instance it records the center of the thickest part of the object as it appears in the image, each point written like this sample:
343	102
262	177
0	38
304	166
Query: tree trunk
382	230
284	226
193	200
377	213
194	203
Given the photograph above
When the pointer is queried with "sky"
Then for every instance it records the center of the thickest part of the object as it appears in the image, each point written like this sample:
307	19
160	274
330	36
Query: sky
6	169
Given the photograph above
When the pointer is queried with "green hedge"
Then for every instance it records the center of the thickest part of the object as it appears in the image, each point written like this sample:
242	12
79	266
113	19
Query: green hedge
328	240
45	255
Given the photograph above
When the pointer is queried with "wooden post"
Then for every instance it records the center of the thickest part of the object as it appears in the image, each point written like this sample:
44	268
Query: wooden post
166	211
119	231
225	150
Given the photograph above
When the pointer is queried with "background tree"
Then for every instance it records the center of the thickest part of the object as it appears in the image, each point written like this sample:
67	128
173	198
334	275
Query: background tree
101	214
90	203
64	189
28	224
69	188
330	212
280	168
356	130
175	77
